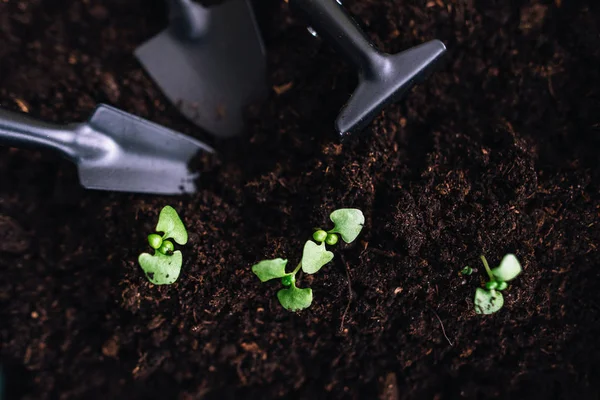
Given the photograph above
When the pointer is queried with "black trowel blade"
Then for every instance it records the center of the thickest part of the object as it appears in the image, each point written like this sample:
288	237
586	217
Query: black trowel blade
214	78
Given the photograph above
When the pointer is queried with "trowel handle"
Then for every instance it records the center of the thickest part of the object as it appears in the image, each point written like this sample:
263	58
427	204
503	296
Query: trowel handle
329	19
20	130
190	20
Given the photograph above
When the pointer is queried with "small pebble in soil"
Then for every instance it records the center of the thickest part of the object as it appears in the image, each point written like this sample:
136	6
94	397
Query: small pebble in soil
110	348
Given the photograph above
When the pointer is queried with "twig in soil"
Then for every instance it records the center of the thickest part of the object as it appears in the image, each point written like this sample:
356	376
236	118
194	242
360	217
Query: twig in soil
384	253
442	325
349	295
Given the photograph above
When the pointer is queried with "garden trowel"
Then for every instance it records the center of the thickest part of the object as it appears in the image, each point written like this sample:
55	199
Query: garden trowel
209	62
113	150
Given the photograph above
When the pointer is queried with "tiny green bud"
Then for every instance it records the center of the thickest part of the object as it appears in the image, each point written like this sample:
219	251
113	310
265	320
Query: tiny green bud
320	235
167	247
155	241
491	285
467	270
331	239
288	280
502	285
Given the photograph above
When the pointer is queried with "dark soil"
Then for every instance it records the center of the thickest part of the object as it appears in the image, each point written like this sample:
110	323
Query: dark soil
497	152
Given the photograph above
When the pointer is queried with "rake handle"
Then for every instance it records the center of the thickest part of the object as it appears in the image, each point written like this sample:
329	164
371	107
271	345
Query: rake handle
331	21
189	19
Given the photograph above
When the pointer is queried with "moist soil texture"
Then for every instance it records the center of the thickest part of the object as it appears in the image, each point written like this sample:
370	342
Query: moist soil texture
497	152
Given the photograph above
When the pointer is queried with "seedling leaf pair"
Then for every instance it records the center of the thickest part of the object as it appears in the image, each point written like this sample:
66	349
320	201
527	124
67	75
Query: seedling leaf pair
314	258
292	298
348	224
164	266
490	299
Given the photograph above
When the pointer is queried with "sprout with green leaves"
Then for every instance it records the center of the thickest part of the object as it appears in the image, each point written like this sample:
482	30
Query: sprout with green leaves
490	300
348	222
164	266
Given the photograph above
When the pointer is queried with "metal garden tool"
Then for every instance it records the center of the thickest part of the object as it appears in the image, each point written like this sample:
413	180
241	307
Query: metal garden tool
113	150
383	78
210	62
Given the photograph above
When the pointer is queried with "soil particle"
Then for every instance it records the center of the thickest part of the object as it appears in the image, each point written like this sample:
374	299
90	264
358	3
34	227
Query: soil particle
13	238
110	348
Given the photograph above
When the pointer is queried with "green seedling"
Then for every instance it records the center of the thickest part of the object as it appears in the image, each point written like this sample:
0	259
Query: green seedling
348	222
490	299
163	267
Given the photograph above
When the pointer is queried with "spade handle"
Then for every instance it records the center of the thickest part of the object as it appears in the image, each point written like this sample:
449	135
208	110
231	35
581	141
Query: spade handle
21	130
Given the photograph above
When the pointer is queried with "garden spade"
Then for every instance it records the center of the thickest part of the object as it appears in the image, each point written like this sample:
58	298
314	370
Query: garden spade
209	62
113	150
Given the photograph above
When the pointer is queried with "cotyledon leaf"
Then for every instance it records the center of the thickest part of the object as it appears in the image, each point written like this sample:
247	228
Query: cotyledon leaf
314	257
488	301
508	269
295	299
270	269
171	225
348	223
161	269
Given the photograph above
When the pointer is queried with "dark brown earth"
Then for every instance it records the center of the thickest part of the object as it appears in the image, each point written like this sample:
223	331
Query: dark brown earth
497	152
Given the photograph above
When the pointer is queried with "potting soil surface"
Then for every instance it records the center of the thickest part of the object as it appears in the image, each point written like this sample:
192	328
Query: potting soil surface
497	152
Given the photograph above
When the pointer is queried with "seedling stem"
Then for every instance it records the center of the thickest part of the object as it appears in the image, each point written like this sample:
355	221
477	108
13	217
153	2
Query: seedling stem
487	268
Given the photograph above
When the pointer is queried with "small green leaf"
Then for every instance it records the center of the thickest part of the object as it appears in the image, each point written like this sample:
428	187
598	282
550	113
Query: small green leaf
491	285
348	223
270	269
171	225
509	268
488	301
294	299
166	247
331	239
161	269
155	241
314	257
